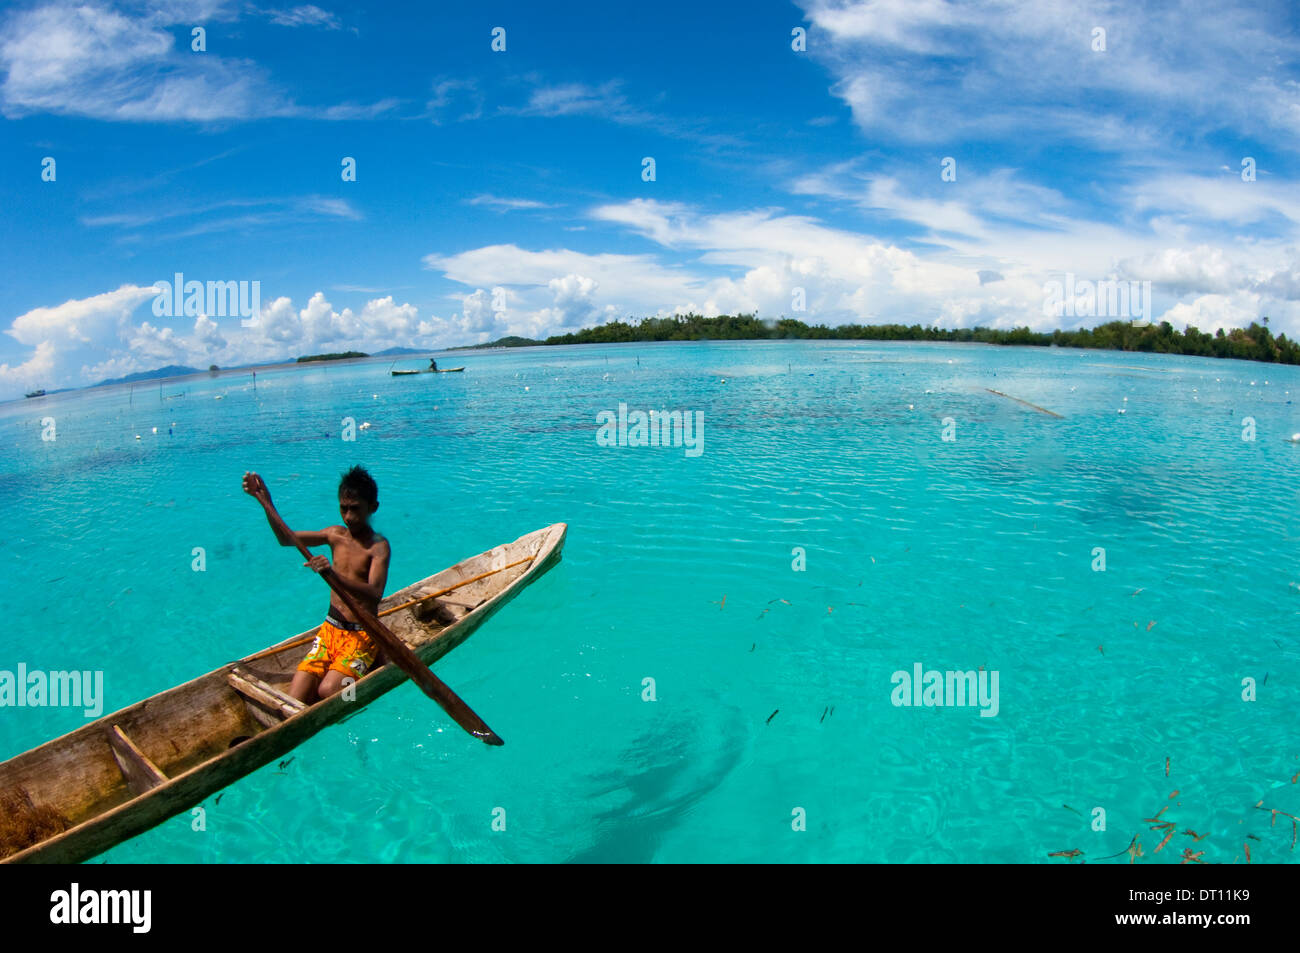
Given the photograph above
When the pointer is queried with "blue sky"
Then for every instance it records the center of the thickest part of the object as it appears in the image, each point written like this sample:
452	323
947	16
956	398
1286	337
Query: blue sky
502	192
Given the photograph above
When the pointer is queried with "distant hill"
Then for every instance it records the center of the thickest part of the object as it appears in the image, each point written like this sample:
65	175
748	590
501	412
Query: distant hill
508	341
401	350
171	370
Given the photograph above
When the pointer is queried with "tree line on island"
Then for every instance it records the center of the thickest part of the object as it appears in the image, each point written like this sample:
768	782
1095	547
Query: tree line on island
1255	343
337	356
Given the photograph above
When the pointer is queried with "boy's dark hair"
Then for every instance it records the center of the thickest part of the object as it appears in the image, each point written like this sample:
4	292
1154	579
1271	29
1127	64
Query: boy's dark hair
360	484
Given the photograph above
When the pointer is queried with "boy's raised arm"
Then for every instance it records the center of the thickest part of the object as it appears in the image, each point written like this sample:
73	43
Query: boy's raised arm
255	487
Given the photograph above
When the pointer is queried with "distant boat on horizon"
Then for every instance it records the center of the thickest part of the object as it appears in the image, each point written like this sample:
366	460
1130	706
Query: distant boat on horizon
37	393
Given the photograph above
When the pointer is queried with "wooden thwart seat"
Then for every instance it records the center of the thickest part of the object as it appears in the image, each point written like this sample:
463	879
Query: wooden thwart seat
140	773
263	694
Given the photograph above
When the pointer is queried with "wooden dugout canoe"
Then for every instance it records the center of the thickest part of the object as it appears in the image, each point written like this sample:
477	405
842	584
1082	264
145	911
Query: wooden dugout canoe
441	370
127	772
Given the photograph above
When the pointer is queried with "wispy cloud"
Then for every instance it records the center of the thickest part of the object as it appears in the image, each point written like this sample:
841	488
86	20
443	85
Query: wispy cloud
305	15
607	101
940	71
106	63
279	210
570	99
446	92
505	204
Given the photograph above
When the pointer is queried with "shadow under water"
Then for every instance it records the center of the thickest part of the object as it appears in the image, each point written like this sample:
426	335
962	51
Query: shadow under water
665	774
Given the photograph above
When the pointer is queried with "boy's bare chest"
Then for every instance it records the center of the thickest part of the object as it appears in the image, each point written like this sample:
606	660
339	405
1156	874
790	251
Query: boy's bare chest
353	560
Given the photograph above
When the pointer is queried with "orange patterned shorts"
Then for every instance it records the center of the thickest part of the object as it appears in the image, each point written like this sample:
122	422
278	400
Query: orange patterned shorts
336	649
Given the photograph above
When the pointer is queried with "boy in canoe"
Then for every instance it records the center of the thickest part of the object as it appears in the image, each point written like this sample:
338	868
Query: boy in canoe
343	649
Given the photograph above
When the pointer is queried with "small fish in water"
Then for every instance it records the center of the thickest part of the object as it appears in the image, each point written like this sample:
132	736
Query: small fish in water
751	648
1151	625
285	764
770	717
823	717
219	797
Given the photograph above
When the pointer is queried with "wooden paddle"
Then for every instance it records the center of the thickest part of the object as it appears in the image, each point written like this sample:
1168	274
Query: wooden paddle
394	648
276	649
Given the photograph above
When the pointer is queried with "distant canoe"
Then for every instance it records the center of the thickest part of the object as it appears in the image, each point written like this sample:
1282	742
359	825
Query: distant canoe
441	370
41	393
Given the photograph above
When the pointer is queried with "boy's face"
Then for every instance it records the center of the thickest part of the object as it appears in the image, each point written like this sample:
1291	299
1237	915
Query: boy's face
355	513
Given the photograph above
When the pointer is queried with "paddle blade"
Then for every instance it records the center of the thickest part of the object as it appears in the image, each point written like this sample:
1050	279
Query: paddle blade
452	704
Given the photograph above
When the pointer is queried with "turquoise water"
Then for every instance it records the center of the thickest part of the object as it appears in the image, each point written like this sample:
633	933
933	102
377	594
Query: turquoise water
954	554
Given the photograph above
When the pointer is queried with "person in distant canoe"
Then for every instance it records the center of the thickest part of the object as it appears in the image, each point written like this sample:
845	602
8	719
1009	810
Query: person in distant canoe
342	649
433	365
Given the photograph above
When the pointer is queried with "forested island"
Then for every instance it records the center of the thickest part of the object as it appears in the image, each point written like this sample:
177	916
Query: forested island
343	356
1255	343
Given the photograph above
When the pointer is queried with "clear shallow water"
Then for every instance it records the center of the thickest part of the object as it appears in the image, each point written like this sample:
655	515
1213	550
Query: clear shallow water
960	554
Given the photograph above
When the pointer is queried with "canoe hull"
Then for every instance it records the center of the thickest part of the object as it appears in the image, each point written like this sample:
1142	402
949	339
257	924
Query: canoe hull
182	791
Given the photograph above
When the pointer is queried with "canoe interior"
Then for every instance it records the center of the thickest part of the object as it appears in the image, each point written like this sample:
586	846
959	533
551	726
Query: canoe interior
202	728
